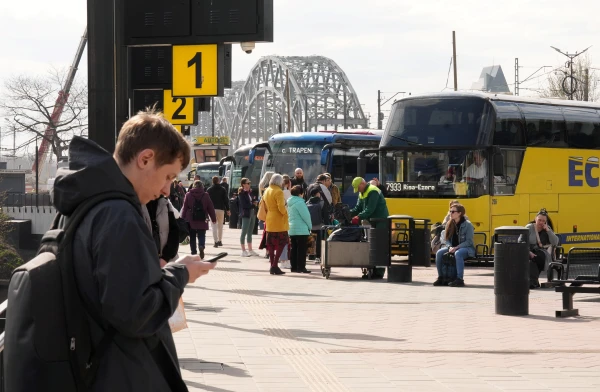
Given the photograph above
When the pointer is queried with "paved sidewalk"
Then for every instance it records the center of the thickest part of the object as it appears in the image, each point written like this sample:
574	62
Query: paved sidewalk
251	331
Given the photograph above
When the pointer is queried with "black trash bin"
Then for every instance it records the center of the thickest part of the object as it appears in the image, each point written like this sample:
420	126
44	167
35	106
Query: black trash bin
379	243
511	270
233	208
420	243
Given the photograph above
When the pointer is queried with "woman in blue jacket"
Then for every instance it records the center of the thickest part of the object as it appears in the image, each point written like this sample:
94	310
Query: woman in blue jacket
300	226
458	238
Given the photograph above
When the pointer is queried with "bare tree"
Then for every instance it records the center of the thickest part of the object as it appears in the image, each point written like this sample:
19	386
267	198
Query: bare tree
559	80
32	106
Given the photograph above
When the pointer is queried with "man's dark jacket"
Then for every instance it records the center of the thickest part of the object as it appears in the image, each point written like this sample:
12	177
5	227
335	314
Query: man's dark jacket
218	195
118	275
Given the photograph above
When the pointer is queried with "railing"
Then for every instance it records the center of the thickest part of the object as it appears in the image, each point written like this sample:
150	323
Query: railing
11	199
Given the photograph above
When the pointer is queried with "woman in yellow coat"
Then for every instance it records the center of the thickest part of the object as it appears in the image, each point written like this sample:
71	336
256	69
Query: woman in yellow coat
277	222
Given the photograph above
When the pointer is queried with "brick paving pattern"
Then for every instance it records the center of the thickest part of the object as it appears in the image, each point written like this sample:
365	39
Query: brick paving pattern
251	331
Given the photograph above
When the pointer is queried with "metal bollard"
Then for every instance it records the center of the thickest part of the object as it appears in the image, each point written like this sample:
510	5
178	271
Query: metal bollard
511	270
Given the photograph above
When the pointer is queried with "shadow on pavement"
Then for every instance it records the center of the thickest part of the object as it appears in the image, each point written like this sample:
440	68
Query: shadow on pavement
302	334
193	308
204	387
579	319
267	294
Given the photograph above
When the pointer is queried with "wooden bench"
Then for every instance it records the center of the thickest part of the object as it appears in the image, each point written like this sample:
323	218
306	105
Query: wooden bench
582	268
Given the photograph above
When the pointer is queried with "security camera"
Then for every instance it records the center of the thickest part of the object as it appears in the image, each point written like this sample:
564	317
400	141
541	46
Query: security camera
248	47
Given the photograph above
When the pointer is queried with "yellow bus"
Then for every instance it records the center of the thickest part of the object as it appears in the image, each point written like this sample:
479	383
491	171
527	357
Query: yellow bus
503	157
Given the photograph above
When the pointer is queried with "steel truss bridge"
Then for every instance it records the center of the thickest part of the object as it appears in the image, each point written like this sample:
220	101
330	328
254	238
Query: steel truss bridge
294	94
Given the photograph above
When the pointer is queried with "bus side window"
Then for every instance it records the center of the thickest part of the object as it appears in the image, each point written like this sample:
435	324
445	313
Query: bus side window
509	133
512	168
545	126
583	127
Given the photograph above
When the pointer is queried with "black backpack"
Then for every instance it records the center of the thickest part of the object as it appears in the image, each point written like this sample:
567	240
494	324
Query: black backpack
48	345
198	213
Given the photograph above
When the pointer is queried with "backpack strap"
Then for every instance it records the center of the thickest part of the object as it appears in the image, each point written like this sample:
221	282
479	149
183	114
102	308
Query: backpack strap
74	304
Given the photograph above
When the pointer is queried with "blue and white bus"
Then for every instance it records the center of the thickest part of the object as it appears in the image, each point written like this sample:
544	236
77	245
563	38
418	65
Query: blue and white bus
333	152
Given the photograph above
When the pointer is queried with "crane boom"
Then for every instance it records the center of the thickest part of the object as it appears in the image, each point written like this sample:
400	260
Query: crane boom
59	105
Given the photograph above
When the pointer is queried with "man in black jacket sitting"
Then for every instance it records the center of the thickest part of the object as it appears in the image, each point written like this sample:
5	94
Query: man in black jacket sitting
218	195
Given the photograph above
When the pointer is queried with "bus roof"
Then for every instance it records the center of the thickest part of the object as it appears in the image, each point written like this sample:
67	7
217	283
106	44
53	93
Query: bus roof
328	136
245	148
506	98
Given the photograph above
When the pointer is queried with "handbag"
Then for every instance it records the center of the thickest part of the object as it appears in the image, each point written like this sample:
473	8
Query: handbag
262	210
184	229
177	321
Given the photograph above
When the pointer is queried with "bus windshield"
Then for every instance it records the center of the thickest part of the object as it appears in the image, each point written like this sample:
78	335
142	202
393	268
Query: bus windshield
287	156
439	121
244	169
414	172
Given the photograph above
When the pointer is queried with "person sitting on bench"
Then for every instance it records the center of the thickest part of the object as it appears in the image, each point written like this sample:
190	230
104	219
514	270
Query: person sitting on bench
541	240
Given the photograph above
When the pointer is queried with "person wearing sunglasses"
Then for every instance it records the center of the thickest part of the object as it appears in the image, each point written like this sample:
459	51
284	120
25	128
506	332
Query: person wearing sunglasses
248	217
458	237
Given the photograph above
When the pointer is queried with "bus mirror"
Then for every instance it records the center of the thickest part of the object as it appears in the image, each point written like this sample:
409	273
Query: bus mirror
498	165
324	156
251	155
361	167
221	170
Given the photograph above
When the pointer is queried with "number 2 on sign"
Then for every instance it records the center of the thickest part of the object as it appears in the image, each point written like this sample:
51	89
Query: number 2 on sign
197	61
177	115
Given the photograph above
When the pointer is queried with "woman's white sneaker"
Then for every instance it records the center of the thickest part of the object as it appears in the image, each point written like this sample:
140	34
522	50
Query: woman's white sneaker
252	253
245	254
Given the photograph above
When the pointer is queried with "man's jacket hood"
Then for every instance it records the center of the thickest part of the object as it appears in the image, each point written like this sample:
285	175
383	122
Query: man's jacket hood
92	170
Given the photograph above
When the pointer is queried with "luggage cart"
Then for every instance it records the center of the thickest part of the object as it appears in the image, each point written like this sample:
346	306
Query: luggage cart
340	254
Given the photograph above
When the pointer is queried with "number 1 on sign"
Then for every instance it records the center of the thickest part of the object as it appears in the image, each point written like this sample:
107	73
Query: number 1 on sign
197	61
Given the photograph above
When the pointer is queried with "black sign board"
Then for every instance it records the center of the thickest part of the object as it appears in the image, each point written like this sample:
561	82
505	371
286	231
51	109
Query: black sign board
143	99
157	22
152	67
157	18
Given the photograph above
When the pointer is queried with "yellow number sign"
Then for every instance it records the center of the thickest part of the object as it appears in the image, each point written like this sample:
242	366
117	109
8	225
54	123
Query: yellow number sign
196	70
179	110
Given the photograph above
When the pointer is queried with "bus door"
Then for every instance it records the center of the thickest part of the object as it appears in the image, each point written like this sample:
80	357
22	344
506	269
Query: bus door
344	168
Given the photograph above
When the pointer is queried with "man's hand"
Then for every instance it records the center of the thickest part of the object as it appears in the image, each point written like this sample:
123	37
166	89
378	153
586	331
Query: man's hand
531	255
452	250
196	268
355	220
228	213
162	263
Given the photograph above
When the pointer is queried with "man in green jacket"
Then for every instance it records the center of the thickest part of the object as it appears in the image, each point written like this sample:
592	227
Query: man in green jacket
370	205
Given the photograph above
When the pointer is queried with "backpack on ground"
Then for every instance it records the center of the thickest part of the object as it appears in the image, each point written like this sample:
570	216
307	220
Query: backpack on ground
448	268
48	344
198	213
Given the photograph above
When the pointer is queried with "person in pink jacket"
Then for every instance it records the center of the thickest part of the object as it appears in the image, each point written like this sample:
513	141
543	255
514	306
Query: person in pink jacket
198	227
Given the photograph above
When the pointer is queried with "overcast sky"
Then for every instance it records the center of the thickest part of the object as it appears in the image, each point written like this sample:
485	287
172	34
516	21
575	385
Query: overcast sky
391	45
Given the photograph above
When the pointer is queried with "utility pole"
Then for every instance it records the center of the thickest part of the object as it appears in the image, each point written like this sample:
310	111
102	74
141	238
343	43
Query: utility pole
345	111
212	113
572	80
586	84
37	172
379	114
289	116
516	76
454	60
